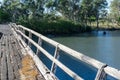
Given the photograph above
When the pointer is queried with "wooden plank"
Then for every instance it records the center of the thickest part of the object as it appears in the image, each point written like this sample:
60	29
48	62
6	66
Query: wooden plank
0	55
1	43
10	69
40	44
112	72
24	33
3	62
30	36
0	47
17	56
18	47
56	56
40	77
101	75
9	64
14	61
3	68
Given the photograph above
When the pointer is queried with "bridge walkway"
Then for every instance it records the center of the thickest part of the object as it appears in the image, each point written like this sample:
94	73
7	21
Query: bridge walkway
13	64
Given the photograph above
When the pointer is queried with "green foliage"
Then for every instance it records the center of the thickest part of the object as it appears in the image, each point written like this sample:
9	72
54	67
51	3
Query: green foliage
115	10
58	26
92	18
40	15
81	10
118	20
4	16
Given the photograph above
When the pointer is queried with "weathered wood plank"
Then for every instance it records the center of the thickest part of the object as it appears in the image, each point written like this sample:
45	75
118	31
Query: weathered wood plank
40	44
14	60
16	51
56	56
3	68
112	72
9	64
19	49
0	55
0	47
3	61
101	75
10	69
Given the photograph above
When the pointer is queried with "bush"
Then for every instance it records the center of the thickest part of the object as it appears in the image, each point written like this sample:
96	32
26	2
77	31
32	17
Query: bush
4	16
56	27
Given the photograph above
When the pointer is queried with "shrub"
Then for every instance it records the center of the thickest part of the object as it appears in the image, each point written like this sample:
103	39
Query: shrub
4	16
56	27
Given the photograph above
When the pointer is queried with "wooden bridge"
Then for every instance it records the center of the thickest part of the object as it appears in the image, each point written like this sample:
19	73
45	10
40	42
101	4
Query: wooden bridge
19	62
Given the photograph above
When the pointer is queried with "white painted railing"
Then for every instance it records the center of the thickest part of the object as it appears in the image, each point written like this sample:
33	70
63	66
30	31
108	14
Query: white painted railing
103	69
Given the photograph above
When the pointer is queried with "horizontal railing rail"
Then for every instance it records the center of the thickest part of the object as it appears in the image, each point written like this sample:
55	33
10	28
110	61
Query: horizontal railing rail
103	69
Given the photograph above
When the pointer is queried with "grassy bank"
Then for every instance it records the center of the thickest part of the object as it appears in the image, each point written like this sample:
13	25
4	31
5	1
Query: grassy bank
105	26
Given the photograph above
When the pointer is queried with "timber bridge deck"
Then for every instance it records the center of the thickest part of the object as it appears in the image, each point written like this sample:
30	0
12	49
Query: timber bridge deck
19	62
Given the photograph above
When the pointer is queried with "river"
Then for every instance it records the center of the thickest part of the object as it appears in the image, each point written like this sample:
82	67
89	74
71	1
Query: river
103	47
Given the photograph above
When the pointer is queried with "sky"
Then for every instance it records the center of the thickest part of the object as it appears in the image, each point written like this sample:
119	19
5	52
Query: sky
1	0
109	2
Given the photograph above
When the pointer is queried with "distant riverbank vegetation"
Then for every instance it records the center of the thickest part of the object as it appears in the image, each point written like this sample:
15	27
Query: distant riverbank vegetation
61	16
55	25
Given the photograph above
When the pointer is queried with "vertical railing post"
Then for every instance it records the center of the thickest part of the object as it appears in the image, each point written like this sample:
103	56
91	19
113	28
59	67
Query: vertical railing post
56	56
20	29
40	44
15	27
23	31
101	75
30	36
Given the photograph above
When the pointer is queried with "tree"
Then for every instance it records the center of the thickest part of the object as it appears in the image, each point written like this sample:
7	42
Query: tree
69	8
76	11
11	6
115	10
4	16
86	10
81	10
99	5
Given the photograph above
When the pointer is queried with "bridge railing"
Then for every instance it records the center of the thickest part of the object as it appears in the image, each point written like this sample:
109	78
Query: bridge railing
103	69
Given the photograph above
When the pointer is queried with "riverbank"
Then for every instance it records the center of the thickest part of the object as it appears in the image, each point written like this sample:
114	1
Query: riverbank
62	27
56	27
105	26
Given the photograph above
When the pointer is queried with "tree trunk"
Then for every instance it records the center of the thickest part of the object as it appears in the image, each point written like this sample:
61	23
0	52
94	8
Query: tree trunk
97	19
